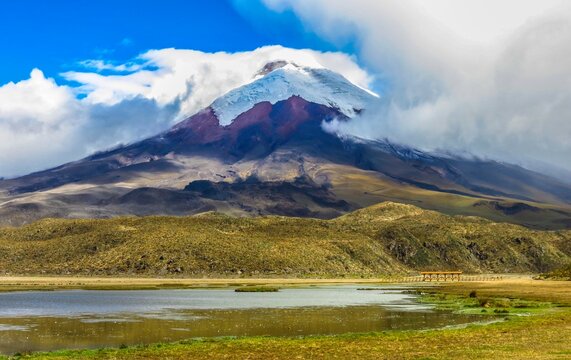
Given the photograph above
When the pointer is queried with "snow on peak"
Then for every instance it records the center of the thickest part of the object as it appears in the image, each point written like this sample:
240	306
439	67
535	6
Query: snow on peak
280	80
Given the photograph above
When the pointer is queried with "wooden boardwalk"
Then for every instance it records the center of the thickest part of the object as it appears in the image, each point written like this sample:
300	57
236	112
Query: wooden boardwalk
420	278
441	275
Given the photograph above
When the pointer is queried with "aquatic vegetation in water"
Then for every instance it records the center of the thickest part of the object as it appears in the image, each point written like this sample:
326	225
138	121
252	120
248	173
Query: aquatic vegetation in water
257	289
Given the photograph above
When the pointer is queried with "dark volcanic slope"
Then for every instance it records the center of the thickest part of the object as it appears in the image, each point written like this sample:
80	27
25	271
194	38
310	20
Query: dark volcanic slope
277	145
253	135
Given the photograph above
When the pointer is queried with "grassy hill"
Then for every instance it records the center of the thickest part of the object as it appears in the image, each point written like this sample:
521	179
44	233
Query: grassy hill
562	273
381	239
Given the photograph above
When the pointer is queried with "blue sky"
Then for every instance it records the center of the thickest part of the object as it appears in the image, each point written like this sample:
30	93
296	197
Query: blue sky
55	35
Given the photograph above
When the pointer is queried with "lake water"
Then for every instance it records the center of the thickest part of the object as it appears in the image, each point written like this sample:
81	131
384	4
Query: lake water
50	320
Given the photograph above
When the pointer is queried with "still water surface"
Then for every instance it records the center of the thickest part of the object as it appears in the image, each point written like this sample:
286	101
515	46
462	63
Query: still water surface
49	320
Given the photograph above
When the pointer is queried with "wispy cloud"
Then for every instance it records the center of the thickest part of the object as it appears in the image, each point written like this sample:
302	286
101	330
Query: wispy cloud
102	65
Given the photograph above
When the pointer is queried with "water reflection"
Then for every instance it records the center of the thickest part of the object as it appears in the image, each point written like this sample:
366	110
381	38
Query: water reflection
229	315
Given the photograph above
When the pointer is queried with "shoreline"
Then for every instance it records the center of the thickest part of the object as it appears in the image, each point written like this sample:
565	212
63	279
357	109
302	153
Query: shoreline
29	283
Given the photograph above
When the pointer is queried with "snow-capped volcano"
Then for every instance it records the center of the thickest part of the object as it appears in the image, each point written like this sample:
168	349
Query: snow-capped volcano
261	149
280	80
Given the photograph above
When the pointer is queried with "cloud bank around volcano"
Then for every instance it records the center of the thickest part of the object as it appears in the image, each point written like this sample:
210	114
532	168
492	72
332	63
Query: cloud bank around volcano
488	78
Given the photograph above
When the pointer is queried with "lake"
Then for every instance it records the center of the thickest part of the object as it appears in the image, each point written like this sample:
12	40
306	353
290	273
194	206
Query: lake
77	319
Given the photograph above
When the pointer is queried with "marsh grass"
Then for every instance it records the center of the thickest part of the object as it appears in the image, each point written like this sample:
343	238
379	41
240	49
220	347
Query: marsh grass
256	289
368	289
483	304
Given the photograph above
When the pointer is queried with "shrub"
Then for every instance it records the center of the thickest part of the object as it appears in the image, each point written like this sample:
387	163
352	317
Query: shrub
484	302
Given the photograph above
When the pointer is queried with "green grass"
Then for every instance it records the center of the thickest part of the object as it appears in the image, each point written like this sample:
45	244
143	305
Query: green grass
383	239
484	304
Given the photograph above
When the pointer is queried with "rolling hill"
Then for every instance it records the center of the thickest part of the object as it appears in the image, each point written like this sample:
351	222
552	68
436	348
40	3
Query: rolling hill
387	238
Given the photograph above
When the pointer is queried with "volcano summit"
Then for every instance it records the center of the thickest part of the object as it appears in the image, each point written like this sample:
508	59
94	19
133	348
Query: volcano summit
262	148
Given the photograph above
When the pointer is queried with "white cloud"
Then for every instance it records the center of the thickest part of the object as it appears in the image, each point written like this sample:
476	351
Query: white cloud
28	100
484	21
44	124
196	77
491	78
37	117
